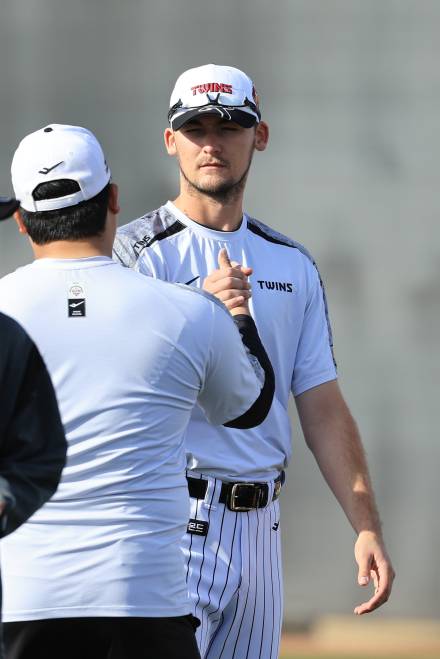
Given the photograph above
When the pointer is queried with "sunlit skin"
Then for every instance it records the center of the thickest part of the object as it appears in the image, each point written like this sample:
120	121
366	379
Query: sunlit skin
214	158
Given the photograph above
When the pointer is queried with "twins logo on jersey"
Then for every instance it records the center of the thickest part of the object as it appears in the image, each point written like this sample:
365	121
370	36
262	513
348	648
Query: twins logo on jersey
286	286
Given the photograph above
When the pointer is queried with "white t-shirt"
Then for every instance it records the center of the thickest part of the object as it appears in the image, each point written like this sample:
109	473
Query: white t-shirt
129	357
289	308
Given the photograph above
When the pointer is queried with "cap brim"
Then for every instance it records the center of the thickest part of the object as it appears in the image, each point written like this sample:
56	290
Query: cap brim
244	119
8	206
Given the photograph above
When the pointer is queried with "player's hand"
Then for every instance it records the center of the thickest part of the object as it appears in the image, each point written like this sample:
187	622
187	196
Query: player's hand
229	283
374	565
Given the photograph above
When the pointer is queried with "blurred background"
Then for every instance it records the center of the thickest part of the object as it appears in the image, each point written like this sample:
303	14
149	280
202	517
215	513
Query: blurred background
351	91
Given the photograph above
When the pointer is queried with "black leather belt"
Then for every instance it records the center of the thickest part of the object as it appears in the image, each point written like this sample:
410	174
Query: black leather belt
239	497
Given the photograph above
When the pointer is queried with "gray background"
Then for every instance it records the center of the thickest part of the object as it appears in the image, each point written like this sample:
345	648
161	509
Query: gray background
351	90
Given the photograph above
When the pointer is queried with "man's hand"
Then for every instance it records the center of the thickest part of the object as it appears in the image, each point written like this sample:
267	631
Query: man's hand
230	284
374	563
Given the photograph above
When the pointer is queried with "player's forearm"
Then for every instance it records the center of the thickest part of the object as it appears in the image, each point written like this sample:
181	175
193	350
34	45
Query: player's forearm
341	459
334	440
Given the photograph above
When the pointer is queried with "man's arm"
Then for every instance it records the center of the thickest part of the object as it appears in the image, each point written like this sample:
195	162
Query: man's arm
332	435
237	303
238	382
262	368
241	370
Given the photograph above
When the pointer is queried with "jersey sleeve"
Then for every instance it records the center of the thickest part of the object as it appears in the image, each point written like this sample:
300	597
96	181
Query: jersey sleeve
147	262
314	362
262	366
234	379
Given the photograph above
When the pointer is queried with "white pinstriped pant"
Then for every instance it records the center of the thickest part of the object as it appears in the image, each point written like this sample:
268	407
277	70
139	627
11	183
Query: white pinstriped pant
234	578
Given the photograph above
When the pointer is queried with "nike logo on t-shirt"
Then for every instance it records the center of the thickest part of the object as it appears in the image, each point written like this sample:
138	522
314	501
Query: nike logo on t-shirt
76	304
187	283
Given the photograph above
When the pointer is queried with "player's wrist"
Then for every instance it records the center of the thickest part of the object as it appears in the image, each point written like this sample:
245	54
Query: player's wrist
239	311
371	533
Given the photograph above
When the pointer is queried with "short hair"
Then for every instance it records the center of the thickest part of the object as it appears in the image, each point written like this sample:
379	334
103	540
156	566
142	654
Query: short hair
84	220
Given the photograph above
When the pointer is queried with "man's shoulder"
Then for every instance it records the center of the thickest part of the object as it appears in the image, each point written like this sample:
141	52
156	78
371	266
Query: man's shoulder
199	296
13	288
134	237
189	297
139	285
274	237
21	272
198	309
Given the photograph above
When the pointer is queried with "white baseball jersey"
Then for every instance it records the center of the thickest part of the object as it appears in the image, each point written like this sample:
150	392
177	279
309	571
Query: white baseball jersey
129	357
289	308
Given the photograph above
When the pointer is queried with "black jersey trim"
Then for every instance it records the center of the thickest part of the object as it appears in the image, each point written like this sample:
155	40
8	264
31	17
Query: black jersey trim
259	231
271	239
147	240
260	409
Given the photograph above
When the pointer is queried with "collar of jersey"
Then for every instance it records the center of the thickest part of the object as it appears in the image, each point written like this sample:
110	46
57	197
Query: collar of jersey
224	236
69	264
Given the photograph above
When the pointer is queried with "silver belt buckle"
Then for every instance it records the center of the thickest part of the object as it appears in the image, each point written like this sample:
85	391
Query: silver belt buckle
235	494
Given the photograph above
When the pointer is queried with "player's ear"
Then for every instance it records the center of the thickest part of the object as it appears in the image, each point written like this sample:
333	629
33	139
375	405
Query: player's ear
170	141
113	199
261	136
18	217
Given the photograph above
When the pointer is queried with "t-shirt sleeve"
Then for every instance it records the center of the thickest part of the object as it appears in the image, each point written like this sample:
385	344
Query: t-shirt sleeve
143	259
314	362
123	251
231	384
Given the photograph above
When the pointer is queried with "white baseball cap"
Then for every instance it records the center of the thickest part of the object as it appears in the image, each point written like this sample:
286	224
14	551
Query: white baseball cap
58	152
222	90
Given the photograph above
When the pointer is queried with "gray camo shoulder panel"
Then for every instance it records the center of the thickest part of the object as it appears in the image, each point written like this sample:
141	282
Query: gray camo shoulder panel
132	238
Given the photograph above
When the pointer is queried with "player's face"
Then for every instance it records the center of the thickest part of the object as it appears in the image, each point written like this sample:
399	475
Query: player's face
215	155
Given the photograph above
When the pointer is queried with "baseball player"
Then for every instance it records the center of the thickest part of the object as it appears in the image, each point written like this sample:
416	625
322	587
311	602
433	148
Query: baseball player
98	571
235	477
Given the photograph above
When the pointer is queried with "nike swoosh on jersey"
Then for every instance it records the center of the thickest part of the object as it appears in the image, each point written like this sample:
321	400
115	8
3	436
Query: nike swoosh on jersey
76	304
187	283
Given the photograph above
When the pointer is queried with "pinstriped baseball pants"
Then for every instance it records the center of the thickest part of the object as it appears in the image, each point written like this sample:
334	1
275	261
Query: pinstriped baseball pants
234	577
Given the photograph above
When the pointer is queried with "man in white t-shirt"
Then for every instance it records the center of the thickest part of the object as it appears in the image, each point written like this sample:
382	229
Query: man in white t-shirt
98	571
234	568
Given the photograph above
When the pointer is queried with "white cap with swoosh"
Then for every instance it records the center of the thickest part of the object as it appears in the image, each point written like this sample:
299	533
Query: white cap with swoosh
58	152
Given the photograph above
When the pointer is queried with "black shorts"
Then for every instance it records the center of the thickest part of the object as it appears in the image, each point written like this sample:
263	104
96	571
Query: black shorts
102	638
